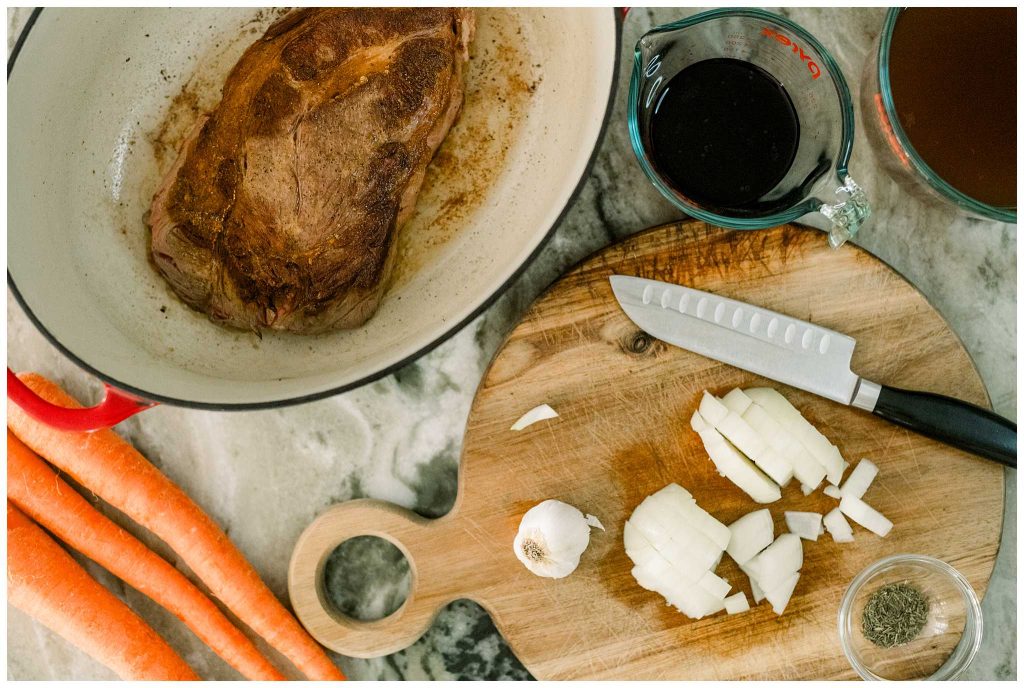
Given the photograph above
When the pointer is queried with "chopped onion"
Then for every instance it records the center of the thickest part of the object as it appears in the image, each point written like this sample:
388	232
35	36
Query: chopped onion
833	491
837	526
714	585
679	545
737	401
777	562
738	468
860	479
750	534
732	464
688	598
779	596
745	438
682	504
594	522
809	472
667	537
806	489
538	413
805	524
865	515
790	418
736	604
712	409
755	589
759	594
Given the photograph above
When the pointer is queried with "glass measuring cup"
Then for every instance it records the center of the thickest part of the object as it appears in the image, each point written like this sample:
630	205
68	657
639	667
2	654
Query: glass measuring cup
897	155
818	179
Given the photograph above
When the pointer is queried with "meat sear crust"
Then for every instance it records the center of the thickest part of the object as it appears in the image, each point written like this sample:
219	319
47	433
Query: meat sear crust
282	207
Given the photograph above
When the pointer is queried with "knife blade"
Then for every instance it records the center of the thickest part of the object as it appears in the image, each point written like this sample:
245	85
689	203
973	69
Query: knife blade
806	356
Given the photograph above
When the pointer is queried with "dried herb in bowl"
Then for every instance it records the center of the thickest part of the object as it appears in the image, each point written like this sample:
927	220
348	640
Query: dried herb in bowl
894	614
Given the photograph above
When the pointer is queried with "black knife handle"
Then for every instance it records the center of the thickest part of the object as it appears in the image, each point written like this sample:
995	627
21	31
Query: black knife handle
954	422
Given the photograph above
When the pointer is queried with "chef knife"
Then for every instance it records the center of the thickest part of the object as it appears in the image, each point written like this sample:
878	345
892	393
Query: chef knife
806	356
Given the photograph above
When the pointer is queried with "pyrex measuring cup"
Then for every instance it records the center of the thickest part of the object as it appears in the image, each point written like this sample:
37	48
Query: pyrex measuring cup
817	179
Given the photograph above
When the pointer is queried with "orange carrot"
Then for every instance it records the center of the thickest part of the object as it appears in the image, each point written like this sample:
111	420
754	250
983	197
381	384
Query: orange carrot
111	468
39	492
47	584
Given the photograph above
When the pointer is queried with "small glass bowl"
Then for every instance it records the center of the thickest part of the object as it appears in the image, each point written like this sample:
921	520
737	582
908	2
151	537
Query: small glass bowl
945	646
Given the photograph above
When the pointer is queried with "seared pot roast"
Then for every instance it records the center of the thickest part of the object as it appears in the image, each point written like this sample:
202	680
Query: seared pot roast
282	207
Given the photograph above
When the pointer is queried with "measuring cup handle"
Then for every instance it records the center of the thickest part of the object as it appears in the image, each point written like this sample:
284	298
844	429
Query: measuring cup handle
421	540
848	213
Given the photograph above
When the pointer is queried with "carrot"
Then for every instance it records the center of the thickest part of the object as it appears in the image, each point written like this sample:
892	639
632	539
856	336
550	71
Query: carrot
111	468
47	584
38	491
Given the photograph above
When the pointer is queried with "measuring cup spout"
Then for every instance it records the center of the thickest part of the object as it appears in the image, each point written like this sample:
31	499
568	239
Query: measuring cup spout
848	213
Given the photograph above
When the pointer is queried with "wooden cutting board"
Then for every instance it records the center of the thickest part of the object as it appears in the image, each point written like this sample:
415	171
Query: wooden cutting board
624	402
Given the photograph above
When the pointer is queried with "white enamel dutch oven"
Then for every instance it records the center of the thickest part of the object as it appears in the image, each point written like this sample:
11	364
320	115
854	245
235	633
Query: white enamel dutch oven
89	97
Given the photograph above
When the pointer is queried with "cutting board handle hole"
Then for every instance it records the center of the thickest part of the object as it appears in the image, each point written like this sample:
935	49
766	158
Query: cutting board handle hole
366	578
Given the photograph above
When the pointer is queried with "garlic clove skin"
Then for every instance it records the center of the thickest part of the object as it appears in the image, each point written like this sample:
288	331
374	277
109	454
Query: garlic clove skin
552	536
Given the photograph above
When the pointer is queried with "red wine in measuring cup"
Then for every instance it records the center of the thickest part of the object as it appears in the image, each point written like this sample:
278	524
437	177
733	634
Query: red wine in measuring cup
725	133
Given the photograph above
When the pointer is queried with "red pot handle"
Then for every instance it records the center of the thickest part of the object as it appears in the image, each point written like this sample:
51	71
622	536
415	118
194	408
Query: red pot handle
115	407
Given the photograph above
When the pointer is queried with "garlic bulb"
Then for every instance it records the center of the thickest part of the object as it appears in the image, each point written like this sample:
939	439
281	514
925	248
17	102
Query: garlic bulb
551	538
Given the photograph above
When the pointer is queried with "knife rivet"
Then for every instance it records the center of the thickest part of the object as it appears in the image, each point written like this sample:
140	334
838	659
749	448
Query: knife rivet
790	333
719	312
648	292
737	317
805	341
773	326
755	320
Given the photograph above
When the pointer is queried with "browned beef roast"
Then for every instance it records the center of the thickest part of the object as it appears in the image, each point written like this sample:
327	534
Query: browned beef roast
282	208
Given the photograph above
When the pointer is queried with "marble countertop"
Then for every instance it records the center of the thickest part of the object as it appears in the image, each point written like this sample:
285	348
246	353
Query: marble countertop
399	439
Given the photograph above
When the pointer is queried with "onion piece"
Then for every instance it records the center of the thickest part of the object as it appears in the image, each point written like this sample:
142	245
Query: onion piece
750	534
777	562
672	556
594	522
860	479
865	515
712	409
737	401
756	590
690	561
736	604
805	524
779	596
745	438
806	469
737	468
790	418
837	526
537	413
680	503
676	518
833	491
714	585
691	600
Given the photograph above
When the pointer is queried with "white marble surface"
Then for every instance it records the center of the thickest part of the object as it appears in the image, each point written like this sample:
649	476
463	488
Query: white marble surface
265	475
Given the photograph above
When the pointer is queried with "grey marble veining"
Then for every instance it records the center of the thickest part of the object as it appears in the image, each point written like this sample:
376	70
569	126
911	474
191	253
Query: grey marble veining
265	475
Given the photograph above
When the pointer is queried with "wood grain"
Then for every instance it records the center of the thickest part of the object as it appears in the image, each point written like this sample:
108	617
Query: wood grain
623	433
